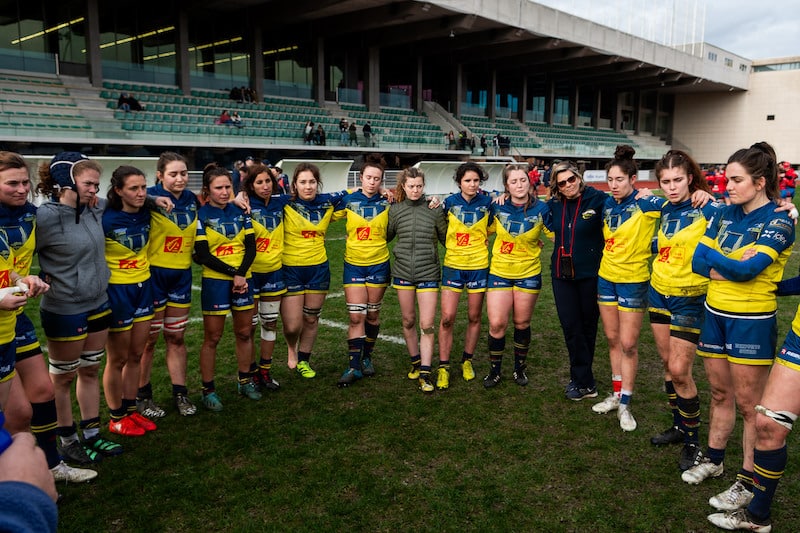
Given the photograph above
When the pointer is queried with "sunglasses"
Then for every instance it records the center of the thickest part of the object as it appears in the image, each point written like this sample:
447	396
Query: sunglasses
562	184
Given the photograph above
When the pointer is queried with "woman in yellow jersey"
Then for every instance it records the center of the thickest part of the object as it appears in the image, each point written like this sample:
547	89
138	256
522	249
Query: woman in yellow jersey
225	245
677	295
126	225
266	211
466	266
743	253
366	269
305	264
170	253
629	225
515	272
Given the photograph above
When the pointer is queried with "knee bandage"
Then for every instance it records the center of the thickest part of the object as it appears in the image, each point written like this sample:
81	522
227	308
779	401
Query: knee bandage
92	358
428	331
374	307
64	367
155	326
784	418
312	311
268	316
176	324
356	309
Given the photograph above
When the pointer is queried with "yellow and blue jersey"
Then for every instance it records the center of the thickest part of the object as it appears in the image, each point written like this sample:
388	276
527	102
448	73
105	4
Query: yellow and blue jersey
516	251
305	226
367	217
468	225
682	227
17	227
8	319
734	232
224	230
267	220
628	229
172	234
126	237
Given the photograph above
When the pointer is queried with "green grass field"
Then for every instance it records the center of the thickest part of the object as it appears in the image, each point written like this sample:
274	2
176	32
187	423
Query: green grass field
381	456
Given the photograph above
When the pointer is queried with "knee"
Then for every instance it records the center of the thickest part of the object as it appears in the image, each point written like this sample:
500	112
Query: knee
409	322
447	321
212	338
244	334
721	395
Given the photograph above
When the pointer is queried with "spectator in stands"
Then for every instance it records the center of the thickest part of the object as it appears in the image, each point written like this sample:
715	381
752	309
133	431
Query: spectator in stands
236	120
496	144
308	132
252	93
483	144
236	94
546	176
472	143
343	130
320	135
451	140
353	136
367	130
225	118
128	103
246	96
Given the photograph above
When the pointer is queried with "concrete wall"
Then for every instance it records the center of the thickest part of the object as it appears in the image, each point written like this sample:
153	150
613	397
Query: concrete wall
711	126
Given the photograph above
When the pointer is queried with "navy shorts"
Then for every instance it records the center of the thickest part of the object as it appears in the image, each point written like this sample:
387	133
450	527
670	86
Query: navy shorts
130	302
456	279
268	283
307	279
26	340
65	328
217	297
371	276
626	296
171	286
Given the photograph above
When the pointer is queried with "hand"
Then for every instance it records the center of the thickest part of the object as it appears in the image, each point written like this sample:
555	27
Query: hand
701	198
749	253
36	286
434	202
12	299
716	276
239	284
164	203
388	194
24	461
644	192
785	204
242	201
500	199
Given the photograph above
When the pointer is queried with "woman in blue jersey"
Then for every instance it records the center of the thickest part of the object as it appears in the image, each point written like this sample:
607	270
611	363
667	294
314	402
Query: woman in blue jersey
576	219
629	225
415	271
743	253
515	278
266	212
366	269
126	225
225	245
466	266
676	296
169	251
305	264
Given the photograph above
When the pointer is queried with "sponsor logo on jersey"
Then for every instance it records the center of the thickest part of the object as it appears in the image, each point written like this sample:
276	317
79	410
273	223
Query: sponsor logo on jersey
128	264
309	234
224	250
462	239
262	244
5	278
362	234
173	245
506	247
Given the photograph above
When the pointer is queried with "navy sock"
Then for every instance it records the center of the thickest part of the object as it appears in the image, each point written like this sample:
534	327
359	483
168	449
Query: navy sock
43	427
769	467
689	411
496	348
522	342
672	398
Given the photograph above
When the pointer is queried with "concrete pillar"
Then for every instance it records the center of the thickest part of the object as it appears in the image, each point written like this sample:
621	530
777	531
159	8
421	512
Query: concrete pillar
257	62
372	86
637	108
458	91
93	60
418	100
318	72
523	100
549	101
596	107
491	108
182	53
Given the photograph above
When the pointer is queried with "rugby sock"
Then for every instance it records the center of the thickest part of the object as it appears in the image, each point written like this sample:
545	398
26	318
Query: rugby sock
118	414
371	331
625	397
90	427
465	356
265	364
616	384
354	348
496	349
689	410
445	365
769	467
415	360
179	389
425	372
67	434
304	356
522	342
43	427
244	377
253	368
129	405
208	387
715	455
145	392
672	397
746	477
